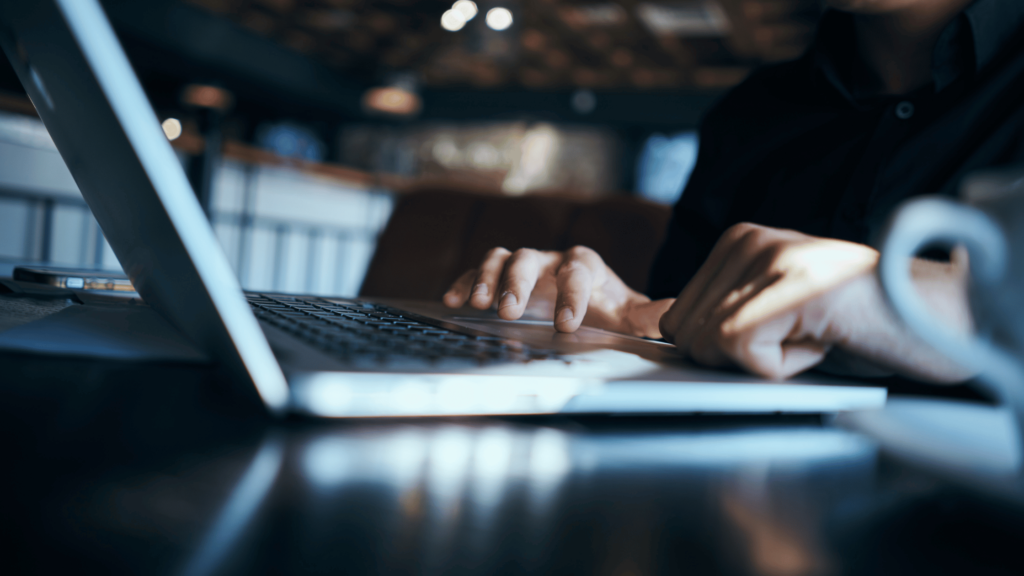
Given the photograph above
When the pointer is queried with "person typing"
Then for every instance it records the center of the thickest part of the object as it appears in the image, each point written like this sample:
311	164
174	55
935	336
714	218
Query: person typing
767	263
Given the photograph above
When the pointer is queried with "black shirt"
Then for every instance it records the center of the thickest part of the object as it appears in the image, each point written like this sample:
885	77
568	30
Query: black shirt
798	145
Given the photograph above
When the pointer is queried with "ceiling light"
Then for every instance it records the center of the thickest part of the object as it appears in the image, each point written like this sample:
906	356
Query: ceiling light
608	14
392	100
499	19
172	128
694	18
467	8
205	96
453	20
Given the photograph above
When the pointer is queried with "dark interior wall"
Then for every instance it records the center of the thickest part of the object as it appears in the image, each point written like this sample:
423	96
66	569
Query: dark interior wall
8	79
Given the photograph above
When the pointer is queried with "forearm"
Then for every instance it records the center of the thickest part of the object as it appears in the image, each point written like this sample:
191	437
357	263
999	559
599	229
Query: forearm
875	335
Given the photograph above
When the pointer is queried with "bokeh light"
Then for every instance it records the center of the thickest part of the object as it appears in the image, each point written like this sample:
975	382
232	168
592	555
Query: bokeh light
172	128
467	8
499	19
453	20
392	100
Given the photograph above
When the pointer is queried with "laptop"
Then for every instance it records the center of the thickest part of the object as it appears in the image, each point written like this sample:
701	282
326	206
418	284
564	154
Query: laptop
333	357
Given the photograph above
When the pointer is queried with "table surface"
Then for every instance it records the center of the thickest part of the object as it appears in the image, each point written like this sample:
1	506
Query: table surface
150	468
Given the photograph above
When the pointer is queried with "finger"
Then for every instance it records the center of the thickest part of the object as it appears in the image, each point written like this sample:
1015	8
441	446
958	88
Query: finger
800	356
778	359
736	284
460	290
775	349
648	314
522	269
718	258
575	283
776	335
712	340
578	273
485	285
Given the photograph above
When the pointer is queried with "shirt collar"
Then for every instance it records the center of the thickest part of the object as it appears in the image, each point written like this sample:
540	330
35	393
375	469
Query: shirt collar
968	44
993	24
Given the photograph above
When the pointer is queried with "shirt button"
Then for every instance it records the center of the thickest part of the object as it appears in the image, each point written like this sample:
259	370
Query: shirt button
904	110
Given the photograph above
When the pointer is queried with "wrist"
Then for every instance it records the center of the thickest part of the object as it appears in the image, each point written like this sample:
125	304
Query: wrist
872	331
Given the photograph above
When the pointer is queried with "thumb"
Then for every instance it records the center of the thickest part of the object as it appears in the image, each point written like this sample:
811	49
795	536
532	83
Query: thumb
800	356
774	351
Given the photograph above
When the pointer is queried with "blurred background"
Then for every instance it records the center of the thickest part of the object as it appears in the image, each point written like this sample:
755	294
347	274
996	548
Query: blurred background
301	123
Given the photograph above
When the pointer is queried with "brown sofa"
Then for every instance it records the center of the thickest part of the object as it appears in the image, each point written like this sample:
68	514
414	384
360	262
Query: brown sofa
435	235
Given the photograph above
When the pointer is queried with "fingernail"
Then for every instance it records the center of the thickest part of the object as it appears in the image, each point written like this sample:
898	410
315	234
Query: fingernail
480	290
564	316
508	299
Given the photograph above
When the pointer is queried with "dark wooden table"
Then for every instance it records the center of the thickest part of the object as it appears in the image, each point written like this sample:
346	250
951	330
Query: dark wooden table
120	467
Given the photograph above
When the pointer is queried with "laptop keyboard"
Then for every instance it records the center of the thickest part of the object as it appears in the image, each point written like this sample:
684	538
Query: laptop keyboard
353	331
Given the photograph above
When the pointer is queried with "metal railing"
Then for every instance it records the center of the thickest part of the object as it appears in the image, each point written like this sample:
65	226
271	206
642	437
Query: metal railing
39	231
322	248
279	270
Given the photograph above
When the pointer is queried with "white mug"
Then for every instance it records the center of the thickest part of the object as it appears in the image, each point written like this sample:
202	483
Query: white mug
989	222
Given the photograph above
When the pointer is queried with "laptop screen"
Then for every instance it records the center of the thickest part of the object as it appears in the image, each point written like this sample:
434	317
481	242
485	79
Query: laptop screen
71	64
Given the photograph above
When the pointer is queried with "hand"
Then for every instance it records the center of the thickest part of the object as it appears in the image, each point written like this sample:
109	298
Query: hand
776	302
575	287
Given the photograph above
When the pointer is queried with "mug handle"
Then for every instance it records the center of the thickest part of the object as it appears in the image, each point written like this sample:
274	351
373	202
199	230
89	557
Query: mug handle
928	220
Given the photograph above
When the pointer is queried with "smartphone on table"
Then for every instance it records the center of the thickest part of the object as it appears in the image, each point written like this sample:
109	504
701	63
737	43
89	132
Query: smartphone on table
74	278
